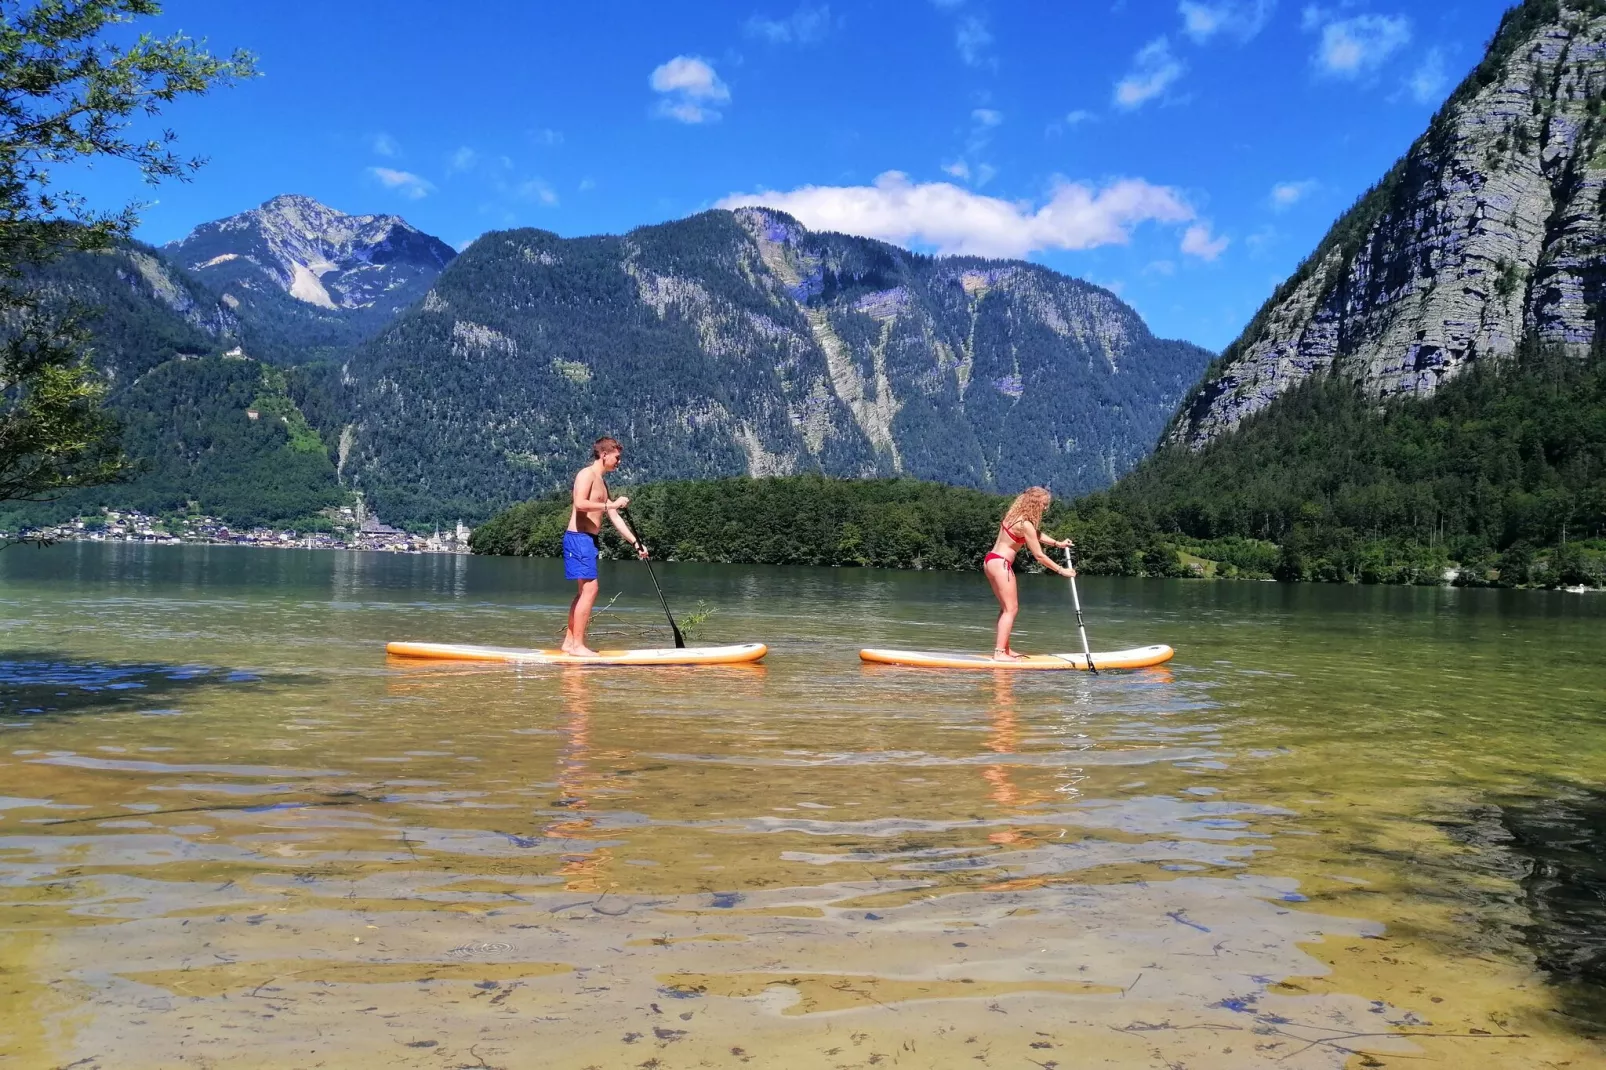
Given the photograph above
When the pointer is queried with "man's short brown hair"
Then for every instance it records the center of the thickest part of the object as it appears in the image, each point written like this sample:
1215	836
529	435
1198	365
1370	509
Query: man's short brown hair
605	444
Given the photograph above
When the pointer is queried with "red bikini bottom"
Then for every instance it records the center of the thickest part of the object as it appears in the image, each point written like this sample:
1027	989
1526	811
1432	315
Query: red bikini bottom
1007	562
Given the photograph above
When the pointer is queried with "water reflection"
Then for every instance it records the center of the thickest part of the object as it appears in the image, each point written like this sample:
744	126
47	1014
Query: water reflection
1238	860
584	863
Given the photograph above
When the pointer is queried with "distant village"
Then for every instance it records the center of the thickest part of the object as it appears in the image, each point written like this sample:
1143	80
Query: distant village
352	531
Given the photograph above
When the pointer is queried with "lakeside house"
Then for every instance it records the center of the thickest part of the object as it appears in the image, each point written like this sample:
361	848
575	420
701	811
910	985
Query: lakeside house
132	526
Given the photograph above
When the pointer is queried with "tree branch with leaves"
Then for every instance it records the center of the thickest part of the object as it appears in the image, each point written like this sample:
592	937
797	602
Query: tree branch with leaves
68	94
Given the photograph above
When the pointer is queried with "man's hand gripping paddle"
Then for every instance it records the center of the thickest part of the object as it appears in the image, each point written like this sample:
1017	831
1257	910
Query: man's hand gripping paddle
680	640
1076	600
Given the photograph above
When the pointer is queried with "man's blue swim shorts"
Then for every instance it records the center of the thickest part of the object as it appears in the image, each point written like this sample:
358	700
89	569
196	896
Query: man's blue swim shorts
579	555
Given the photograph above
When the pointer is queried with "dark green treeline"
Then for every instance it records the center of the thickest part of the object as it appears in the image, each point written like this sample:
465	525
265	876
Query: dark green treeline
817	520
1500	474
1499	479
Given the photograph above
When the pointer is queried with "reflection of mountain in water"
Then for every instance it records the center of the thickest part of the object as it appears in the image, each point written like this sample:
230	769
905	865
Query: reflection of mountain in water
1562	843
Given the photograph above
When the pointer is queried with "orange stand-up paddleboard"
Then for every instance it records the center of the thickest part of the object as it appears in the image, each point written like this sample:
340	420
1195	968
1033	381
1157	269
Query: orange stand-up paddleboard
1136	658
691	655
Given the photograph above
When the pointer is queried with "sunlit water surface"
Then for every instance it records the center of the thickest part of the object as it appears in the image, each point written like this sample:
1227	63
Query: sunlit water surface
1345	827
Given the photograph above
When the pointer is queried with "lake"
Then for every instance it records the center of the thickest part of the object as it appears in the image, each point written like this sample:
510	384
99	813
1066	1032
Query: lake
1346	826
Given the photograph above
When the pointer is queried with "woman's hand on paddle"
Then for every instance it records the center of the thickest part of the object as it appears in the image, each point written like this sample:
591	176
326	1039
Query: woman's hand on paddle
641	550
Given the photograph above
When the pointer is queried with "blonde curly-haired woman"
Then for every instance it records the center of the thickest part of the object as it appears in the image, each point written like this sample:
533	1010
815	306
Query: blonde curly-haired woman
1021	526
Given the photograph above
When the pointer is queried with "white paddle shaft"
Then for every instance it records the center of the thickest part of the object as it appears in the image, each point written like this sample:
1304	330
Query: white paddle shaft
1087	651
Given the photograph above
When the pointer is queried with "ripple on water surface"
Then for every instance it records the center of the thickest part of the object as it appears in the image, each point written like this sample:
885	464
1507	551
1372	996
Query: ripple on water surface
1285	849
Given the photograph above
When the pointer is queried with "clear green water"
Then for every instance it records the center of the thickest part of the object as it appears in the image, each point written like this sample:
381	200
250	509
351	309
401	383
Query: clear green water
233	833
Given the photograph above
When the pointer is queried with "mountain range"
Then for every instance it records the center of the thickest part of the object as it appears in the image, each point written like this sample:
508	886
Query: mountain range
441	386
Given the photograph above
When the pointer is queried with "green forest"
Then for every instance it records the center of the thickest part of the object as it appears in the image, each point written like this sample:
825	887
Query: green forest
1501	475
187	423
819	520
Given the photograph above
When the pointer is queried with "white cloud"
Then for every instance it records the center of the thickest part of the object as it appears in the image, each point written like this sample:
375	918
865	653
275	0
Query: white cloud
384	144
547	136
971	37
406	183
959	169
463	159
1288	194
1153	69
954	220
1355	46
987	117
587	184
1196	241
1241	19
805	26
692	91
1428	81
1078	117
537	190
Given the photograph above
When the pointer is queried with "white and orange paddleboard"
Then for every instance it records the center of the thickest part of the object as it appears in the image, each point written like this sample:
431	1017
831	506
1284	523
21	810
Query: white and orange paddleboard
1137	658
691	655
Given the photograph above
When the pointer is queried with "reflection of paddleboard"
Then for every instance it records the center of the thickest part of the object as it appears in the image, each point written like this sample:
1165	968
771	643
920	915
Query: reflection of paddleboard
1136	658
692	655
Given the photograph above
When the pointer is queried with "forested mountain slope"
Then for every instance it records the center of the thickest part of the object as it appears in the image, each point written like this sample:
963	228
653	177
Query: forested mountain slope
1486	234
1428	390
184	393
741	343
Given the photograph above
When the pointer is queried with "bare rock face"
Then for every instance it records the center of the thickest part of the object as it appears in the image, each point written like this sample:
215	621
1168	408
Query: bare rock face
735	343
1488	232
316	254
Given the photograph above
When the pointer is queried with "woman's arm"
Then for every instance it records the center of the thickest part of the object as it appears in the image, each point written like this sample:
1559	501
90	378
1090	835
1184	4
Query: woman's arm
1035	545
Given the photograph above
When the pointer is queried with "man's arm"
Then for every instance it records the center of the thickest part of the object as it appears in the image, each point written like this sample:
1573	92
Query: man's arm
624	530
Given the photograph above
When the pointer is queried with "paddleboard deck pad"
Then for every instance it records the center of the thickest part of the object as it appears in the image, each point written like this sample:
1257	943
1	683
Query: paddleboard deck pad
1137	658
692	655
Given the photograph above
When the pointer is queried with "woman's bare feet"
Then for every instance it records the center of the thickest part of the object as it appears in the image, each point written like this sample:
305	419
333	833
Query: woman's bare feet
1006	655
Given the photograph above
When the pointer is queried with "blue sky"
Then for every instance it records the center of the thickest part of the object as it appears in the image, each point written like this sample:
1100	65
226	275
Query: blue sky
1187	155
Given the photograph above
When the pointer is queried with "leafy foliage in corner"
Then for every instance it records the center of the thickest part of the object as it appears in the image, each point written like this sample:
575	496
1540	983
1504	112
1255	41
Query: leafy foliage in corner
66	95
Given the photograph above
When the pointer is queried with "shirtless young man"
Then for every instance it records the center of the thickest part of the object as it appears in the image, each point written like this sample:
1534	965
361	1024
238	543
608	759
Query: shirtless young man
591	501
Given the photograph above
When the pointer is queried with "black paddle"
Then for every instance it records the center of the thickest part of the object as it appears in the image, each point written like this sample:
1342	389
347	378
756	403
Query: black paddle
680	641
1076	600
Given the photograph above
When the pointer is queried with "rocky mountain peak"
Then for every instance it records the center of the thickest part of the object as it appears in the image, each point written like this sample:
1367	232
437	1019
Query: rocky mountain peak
1489	232
317	254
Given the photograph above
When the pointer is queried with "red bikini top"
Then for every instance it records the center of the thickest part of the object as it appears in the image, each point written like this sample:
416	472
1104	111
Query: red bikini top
1016	539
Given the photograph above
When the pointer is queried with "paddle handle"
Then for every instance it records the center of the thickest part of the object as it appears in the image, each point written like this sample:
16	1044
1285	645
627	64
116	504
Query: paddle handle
1076	600
680	640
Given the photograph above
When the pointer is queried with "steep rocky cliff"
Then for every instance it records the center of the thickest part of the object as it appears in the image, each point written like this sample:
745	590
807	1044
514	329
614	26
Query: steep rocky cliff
733	343
1488	232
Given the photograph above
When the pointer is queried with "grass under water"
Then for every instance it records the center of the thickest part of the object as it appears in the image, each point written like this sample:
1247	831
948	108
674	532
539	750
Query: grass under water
1345	827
